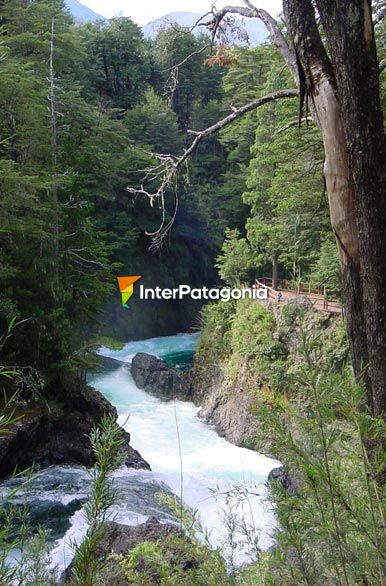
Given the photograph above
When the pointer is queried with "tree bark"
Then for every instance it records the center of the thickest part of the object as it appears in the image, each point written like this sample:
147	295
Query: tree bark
344	88
350	36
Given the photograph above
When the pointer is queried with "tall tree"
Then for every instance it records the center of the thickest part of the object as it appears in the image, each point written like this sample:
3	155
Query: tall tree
340	73
119	64
337	72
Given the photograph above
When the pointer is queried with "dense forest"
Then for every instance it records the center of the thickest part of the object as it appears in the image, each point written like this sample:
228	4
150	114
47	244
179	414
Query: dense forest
91	115
75	136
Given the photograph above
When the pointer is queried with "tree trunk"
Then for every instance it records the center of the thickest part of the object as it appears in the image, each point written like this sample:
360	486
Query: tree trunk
54	149
344	91
274	271
350	36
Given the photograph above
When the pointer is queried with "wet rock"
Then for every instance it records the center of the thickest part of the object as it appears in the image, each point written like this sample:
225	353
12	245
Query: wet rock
291	482
121	540
225	402
56	431
108	364
154	376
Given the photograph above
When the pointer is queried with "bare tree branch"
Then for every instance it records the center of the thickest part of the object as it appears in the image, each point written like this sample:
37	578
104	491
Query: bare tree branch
237	113
168	165
166	168
250	11
86	261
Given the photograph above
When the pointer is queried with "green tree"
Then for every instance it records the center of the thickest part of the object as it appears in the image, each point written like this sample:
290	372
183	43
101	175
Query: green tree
119	63
236	258
289	213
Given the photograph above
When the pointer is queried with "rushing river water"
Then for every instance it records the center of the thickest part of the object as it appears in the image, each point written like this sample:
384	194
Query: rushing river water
203	467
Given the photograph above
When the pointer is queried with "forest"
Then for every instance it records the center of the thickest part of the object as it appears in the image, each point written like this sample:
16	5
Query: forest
107	168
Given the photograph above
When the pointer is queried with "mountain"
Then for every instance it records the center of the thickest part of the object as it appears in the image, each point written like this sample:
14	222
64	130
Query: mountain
82	13
256	31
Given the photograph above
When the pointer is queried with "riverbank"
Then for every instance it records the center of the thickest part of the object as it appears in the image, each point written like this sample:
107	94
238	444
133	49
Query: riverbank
52	427
246	351
209	466
187	456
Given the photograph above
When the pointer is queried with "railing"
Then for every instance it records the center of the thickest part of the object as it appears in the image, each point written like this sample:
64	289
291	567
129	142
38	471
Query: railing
284	291
290	286
263	282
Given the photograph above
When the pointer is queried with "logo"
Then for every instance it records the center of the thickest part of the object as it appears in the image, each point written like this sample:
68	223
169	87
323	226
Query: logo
126	287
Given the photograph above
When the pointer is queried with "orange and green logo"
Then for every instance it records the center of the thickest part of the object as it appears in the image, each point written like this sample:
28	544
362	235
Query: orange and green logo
126	287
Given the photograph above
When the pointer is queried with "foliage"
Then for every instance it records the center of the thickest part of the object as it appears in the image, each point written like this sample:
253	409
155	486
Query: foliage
325	271
236	259
118	61
311	417
66	232
332	527
173	562
154	124
285	189
182	558
68	226
36	567
110	343
106	441
215	322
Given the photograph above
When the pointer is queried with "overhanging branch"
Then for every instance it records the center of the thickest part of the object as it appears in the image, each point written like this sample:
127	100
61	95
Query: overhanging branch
167	166
235	115
164	172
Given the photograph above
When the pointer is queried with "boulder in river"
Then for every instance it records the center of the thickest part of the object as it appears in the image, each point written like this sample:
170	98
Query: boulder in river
155	376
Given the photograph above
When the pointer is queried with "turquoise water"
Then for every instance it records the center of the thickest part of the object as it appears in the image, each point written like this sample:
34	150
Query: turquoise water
175	350
211	466
187	457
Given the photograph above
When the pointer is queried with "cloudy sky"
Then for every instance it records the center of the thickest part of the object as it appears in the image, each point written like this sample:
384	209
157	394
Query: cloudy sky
143	11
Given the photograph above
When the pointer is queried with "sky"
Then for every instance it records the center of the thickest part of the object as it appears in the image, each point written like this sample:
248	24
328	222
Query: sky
143	11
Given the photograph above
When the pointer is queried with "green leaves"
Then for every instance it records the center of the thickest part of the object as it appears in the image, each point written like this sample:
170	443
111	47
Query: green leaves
118	61
106	441
236	259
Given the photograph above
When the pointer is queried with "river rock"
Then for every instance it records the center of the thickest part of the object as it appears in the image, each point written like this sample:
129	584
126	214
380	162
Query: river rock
121	540
155	376
290	481
55	430
225	402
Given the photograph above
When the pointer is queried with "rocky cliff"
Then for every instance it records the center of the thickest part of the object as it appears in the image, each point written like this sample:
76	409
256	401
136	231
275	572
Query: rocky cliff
252	351
53	428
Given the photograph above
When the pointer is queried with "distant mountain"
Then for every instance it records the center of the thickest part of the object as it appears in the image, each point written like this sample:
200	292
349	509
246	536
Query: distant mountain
82	13
256	31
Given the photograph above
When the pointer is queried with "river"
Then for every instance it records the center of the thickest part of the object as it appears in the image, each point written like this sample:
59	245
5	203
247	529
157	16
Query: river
219	480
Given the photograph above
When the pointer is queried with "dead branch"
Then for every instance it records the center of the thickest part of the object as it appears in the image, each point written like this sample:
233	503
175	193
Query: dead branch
250	11
171	84
167	166
86	261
